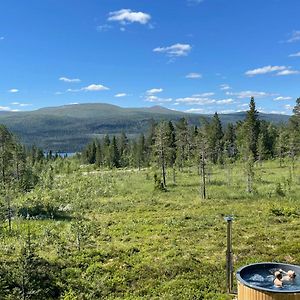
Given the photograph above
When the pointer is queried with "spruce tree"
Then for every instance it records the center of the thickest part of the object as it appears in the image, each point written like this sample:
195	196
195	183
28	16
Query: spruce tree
252	128
182	142
172	148
162	148
114	154
140	151
99	154
215	139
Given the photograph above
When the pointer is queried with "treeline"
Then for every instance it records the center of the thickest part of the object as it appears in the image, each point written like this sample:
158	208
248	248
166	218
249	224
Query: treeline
178	145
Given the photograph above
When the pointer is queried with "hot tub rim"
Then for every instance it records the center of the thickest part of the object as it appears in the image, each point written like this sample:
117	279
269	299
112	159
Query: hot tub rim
258	288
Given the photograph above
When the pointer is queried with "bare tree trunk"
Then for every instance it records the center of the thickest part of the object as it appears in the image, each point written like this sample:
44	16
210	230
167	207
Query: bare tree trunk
203	175
163	167
174	174
78	241
9	213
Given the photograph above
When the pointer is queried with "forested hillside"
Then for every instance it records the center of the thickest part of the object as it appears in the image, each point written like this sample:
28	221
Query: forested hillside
68	128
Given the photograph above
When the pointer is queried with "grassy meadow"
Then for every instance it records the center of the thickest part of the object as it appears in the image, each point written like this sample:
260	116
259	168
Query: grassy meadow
119	238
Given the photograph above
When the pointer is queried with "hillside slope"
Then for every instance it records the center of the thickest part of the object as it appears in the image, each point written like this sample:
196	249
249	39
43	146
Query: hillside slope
70	127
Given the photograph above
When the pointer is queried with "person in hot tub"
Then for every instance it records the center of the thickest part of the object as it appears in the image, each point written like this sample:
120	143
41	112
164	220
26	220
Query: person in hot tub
278	279
288	276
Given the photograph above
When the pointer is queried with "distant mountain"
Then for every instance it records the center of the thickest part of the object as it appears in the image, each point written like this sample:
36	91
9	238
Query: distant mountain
69	127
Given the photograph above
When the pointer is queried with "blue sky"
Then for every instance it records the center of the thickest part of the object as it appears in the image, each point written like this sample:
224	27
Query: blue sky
189	55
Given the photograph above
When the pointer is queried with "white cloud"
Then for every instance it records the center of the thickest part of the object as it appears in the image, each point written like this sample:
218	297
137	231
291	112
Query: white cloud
203	99
289	107
95	88
225	101
154	91
265	70
72	90
280	71
243	105
294	36
120	95
227	111
152	98
90	88
287	72
204	95
277	112
175	50
295	54
249	94
21	104
195	110
125	16
282	98
225	87
74	103
194	76
13	90
195	100
5	108
65	79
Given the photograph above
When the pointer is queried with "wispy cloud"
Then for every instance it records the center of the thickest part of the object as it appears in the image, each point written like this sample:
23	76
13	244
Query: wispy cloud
175	50
125	16
195	100
249	94
151	96
228	111
225	101
209	94
203	99
156	99
13	91
103	28
289	107
90	88
294	36
282	98
5	108
225	87
195	110
154	91
95	88
66	79
287	72
194	2
295	54
120	95
194	76
21	104
278	70
265	70
1	38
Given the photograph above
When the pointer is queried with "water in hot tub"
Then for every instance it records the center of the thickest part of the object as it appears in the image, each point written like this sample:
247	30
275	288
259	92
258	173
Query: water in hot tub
265	278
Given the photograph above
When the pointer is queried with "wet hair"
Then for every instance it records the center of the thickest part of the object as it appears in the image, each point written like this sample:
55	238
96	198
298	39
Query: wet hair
278	275
291	273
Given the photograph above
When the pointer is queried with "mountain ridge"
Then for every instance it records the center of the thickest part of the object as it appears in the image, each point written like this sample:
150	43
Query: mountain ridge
69	127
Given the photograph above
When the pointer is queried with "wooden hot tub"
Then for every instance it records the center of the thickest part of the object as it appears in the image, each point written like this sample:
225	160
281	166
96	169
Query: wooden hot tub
255	282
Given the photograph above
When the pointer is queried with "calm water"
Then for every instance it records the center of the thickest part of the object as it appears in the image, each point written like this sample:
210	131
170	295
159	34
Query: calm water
264	279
